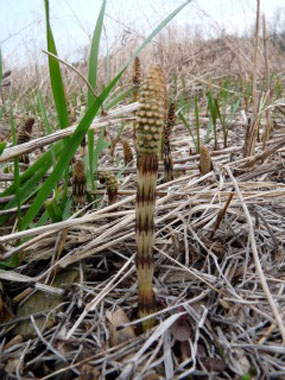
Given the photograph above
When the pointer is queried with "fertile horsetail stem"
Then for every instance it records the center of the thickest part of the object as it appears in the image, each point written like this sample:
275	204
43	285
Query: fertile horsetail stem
24	135
136	87
78	182
111	182
127	150
150	124
168	161
206	164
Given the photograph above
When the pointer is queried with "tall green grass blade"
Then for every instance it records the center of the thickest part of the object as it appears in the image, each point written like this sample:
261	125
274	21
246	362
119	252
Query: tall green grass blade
43	164
185	122
55	75
222	118
213	112
45	119
32	176
157	30
67	154
16	171
28	190
94	53
92	78
197	120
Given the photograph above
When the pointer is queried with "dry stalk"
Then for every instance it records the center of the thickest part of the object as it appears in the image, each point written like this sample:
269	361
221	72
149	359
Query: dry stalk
256	259
78	182
150	126
136	87
111	182
102	121
168	160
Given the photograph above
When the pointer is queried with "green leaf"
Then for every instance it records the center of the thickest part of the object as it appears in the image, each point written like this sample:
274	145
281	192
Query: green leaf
16	171
11	262
53	210
67	154
197	124
45	118
55	75
92	78
185	122
2	146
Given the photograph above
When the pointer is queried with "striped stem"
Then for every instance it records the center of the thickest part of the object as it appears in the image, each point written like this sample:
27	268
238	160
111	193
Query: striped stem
150	127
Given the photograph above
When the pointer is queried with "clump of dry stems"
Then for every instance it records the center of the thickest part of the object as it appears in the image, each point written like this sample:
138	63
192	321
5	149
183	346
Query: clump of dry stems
150	125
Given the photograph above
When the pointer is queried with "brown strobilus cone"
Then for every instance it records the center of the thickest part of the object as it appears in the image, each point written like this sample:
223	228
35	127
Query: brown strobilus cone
111	182
150	124
206	164
24	135
136	87
78	182
127	150
168	161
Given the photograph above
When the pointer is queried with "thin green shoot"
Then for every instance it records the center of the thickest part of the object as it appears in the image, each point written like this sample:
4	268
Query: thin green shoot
197	120
16	171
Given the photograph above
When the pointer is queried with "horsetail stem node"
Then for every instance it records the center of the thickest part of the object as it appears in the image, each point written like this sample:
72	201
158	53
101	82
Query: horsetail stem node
24	135
78	182
150	124
111	182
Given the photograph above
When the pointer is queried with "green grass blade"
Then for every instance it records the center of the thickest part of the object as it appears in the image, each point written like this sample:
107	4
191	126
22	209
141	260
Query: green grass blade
94	52
16	171
66	155
92	78
185	122
2	147
197	124
55	75
157	30
213	112
45	119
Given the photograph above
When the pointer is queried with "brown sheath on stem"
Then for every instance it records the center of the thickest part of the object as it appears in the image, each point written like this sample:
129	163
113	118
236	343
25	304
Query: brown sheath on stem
150	125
